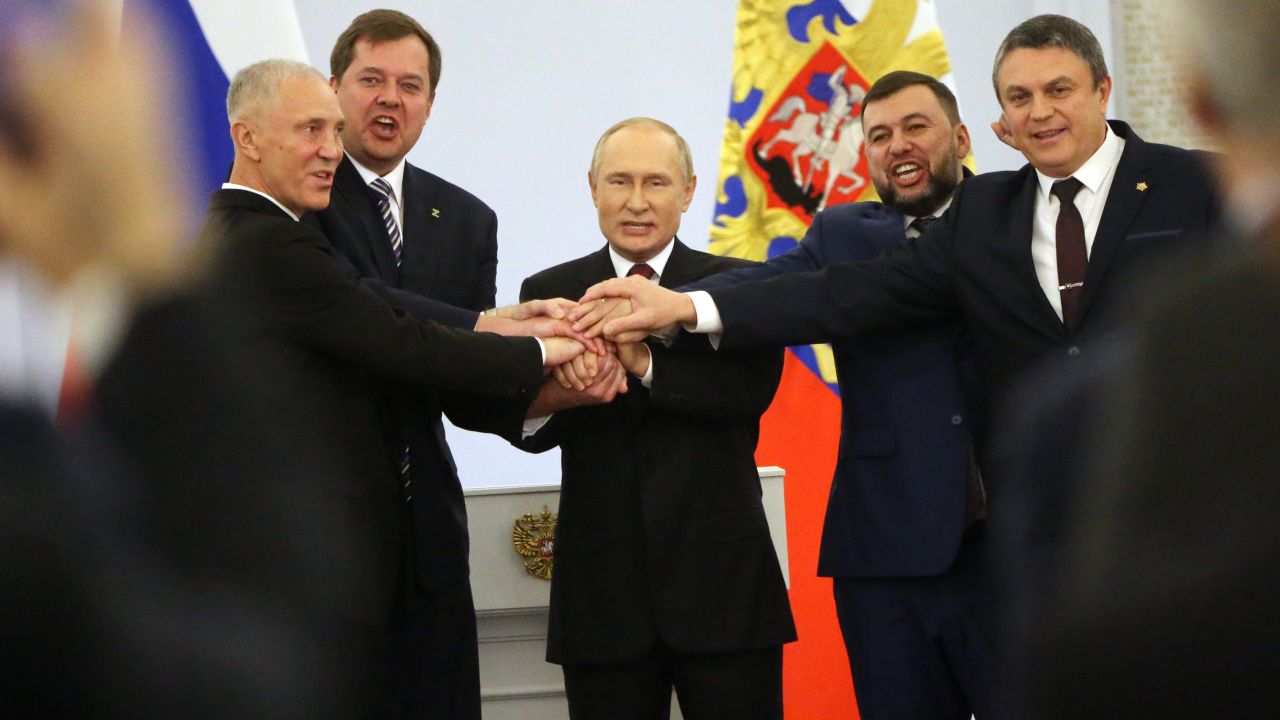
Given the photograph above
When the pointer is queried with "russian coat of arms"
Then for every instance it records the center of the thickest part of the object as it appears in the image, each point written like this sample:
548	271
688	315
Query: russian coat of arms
534	540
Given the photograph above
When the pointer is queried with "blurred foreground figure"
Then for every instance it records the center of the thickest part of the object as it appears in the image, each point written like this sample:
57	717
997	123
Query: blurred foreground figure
158	555
1168	596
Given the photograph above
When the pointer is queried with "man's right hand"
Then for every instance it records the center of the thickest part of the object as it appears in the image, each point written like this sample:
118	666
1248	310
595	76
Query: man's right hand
554	397
653	308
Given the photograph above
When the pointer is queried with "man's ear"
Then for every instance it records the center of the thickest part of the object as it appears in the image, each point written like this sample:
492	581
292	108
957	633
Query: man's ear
244	137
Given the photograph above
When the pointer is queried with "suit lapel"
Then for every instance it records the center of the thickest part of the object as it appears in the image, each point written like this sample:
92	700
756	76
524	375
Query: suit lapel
350	189
1018	237
595	267
680	269
1123	202
421	260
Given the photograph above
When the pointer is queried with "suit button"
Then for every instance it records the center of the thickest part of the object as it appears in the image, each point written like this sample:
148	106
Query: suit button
956	419
1073	351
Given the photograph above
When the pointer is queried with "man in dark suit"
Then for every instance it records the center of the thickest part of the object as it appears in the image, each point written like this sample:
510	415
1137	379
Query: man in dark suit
1167	599
337	339
430	248
665	574
901	537
1030	282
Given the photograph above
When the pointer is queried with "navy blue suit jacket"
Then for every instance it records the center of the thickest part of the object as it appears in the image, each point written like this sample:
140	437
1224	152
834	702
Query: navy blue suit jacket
898	497
447	274
975	264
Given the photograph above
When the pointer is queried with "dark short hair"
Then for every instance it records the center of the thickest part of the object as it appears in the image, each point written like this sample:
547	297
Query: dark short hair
379	26
1043	31
891	84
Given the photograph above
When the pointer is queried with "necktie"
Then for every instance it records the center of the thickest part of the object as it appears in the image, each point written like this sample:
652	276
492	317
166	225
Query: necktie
1073	259
641	269
921	224
385	193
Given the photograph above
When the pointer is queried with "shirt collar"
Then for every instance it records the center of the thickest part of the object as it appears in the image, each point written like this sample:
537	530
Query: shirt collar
621	265
395	178
233	186
1095	170
908	219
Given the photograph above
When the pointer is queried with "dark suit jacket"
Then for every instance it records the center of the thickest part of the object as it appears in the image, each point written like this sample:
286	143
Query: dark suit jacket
1168	595
897	501
337	340
162	552
447	274
449	263
976	263
662	533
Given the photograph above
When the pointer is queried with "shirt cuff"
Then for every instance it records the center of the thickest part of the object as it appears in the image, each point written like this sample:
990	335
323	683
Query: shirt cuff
708	321
542	350
647	379
533	425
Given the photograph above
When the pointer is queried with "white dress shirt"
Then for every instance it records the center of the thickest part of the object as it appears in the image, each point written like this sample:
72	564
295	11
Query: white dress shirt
395	179
233	186
1096	175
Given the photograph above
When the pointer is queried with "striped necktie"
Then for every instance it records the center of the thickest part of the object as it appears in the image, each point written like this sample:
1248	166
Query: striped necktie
385	194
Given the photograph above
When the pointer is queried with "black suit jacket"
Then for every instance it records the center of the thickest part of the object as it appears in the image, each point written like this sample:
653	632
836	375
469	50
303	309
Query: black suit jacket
662	533
447	274
338	341
976	264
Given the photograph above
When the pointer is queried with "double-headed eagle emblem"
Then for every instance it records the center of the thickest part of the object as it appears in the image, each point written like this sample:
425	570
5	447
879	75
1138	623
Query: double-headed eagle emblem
534	540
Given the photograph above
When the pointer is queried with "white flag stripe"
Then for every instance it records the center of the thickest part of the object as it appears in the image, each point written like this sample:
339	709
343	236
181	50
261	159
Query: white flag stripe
242	32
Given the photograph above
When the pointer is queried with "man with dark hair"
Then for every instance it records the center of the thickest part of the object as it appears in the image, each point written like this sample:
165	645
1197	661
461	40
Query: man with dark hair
1167	602
904	555
429	247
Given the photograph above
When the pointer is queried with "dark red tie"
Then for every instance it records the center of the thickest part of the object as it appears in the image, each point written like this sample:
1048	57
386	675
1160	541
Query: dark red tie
1073	259
641	269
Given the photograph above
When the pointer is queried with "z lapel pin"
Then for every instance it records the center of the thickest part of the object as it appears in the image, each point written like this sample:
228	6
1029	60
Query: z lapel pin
1142	186
436	213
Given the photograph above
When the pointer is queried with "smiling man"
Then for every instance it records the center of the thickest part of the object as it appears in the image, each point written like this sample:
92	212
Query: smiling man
902	536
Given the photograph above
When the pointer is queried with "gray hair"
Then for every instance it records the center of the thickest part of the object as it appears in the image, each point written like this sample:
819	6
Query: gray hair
682	147
1235	49
1044	31
254	85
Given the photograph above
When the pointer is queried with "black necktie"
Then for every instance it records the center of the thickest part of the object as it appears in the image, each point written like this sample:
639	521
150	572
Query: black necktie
921	224
1073	258
641	269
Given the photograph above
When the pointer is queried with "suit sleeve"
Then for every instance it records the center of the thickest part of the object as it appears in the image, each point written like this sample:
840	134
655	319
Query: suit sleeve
910	284
805	257
487	273
700	381
318	306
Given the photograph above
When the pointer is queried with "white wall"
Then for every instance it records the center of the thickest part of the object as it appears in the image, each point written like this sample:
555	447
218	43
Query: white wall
528	87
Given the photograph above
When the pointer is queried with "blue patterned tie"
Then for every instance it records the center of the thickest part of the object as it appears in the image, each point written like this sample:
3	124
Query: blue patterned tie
385	193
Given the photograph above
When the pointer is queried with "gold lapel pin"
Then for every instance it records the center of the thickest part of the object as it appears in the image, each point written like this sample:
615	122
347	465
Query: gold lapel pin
1142	186
436	213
